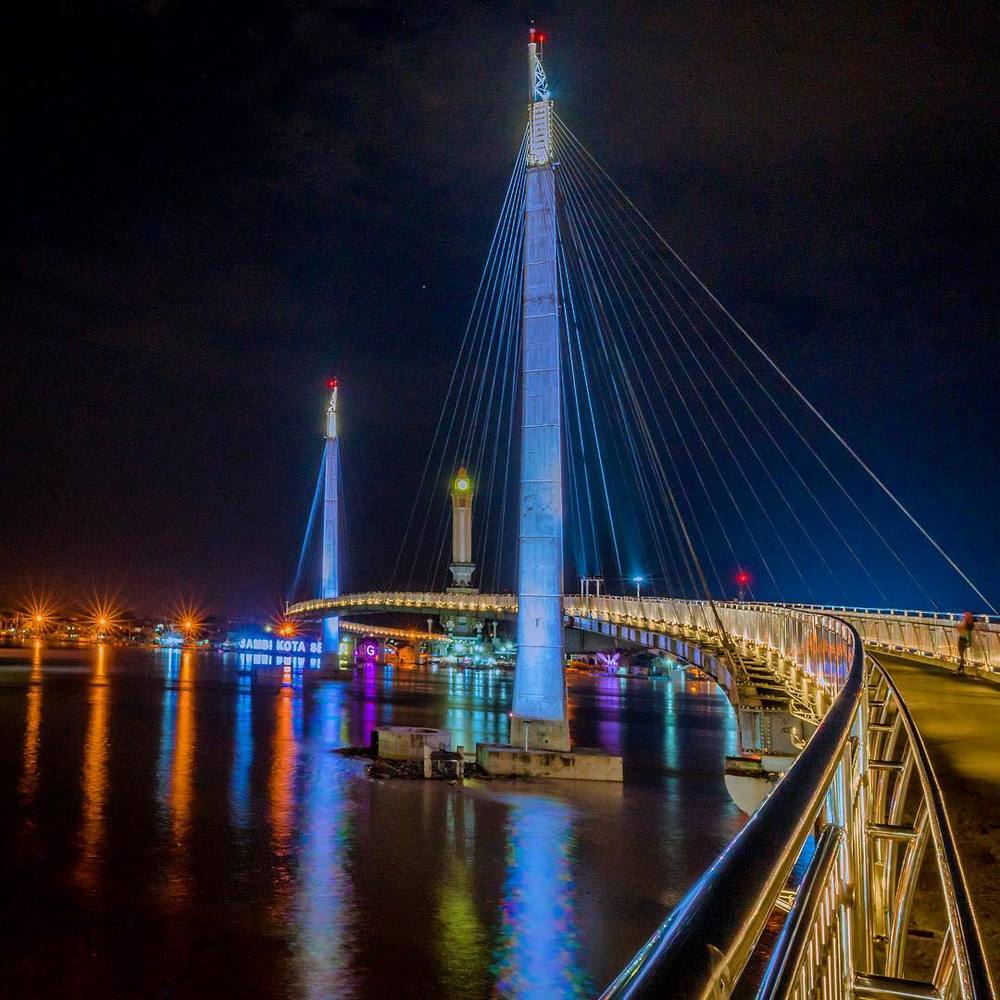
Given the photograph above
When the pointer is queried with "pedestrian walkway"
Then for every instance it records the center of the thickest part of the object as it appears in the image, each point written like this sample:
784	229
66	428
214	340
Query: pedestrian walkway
959	719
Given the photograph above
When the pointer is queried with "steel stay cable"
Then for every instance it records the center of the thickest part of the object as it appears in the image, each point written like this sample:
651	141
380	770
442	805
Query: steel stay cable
712	459
472	425
501	370
588	396
475	432
497	573
781	411
511	187
802	397
722	400
725	406
573	494
708	451
642	382
490	494
646	475
593	296
575	386
464	454
735	660
310	527
502	264
620	411
471	453
502	255
784	416
732	653
625	221
666	400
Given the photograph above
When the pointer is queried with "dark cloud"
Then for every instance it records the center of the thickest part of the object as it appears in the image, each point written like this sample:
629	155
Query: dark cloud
209	206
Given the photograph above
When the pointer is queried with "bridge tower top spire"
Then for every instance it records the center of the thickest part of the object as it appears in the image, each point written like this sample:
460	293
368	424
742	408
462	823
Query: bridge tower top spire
540	111
331	410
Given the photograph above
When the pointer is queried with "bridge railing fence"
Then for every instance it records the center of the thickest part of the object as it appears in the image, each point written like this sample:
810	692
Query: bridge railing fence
909	833
926	633
818	645
703	948
862	792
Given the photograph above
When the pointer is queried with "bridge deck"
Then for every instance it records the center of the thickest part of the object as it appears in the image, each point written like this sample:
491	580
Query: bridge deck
959	719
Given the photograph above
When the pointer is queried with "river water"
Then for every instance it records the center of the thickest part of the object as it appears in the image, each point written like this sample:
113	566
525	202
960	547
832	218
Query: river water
171	826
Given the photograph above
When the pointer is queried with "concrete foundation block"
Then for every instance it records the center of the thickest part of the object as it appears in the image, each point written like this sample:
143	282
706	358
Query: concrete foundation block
503	761
539	734
408	742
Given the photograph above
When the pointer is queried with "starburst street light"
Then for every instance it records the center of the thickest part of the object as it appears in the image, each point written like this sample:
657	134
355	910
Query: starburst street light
281	625
39	614
188	620
103	616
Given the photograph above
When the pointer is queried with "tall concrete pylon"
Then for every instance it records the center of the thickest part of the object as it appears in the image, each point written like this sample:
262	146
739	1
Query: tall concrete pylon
539	718
330	582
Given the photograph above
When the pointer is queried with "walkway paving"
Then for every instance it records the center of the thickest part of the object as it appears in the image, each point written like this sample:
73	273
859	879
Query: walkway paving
959	719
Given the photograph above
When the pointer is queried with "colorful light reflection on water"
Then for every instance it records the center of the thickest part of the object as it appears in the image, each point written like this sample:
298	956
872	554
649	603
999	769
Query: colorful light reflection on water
538	951
193	807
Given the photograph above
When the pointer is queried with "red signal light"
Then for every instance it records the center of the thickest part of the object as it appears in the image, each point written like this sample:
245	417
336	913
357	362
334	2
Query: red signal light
331	384
743	578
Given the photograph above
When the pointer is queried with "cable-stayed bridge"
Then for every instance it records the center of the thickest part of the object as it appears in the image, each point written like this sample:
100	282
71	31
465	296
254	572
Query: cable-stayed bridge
613	415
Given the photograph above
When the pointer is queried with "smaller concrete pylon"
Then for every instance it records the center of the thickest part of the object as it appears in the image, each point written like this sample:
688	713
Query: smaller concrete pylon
330	583
462	566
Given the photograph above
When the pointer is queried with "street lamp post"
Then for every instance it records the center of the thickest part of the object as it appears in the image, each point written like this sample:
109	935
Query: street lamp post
637	580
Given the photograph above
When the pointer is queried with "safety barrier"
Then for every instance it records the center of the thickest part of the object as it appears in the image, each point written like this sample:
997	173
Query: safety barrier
851	795
927	633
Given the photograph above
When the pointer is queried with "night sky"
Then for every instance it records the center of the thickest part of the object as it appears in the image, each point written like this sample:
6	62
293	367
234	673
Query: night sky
212	206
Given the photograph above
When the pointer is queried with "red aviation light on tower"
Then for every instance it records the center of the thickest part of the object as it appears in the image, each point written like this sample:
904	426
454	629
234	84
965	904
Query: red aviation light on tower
331	408
742	577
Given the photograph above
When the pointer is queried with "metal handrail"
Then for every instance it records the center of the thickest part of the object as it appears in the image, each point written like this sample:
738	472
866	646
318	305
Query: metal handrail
927	633
948	616
970	956
702	948
408	601
791	950
846	931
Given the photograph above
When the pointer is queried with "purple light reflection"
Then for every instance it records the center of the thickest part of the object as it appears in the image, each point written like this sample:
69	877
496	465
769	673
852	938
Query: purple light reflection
538	950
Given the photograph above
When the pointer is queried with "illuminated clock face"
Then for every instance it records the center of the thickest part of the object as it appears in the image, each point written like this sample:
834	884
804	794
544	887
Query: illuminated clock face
461	485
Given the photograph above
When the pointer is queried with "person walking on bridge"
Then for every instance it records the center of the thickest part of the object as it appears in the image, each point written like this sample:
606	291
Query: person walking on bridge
964	628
